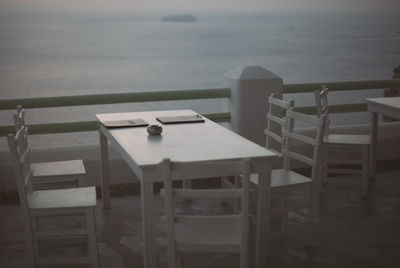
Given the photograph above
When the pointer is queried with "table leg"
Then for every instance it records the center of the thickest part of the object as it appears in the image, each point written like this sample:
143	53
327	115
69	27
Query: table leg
262	220
374	151
105	186
149	254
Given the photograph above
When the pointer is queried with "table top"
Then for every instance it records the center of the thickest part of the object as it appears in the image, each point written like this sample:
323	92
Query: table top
180	142
393	102
389	106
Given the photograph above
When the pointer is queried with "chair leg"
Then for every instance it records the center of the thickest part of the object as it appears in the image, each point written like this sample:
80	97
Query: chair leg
244	262
285	206
179	260
365	173
91	227
35	241
30	247
311	217
324	165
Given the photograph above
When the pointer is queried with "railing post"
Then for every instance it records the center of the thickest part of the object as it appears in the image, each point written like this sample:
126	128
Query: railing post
250	88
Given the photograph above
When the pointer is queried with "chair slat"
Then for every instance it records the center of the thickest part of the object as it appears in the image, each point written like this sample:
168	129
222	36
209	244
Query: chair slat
275	119
299	157
56	234
283	104
181	170
63	260
207	193
309	119
300	137
344	171
273	135
204	219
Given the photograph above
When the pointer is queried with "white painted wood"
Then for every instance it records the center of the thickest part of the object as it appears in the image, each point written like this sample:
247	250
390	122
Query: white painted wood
281	178
347	139
63	198
299	157
147	198
262	222
385	106
341	142
211	193
272	135
300	137
180	142
276	111
51	203
193	142
284	180
206	233
53	174
62	168
274	118
104	157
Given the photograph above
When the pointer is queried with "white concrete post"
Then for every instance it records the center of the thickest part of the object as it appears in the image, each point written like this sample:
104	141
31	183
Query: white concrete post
250	88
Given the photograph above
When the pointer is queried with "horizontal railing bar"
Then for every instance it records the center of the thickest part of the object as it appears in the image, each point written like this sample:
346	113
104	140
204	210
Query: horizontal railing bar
341	86
150	96
82	126
339	108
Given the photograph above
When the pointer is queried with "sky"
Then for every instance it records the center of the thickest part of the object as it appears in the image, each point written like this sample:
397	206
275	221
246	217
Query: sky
205	5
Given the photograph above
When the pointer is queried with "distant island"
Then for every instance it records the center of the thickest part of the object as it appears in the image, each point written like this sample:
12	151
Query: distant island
180	18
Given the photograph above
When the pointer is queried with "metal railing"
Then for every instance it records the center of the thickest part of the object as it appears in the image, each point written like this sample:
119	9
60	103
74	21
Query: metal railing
154	96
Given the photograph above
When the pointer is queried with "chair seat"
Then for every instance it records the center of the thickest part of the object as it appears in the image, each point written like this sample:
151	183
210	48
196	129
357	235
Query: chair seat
281	178
63	198
348	139
224	235
58	168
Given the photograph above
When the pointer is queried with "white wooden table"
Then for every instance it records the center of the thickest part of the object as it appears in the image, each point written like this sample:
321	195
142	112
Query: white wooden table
181	142
386	106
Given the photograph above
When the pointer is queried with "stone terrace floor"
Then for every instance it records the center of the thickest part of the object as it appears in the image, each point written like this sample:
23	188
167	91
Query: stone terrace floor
351	231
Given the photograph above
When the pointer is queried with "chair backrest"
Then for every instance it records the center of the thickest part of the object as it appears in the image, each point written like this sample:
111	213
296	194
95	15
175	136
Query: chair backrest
19	118
20	155
314	142
275	123
178	170
322	106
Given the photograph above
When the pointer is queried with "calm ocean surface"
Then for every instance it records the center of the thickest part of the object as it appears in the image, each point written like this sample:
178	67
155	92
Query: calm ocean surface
56	55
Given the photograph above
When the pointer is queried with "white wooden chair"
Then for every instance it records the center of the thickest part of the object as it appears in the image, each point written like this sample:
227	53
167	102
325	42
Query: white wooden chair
284	180
273	132
360	144
53	174
73	205
206	233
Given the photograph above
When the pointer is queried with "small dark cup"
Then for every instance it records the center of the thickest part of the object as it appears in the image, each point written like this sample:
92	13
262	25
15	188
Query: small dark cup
154	130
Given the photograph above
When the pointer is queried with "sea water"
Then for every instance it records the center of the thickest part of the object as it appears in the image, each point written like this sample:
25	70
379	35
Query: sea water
72	54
